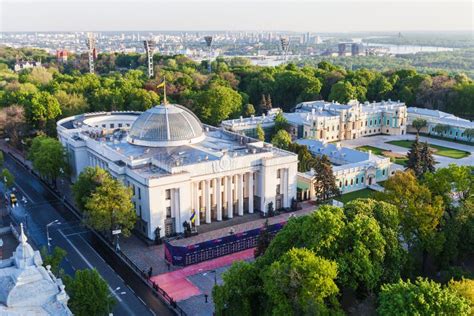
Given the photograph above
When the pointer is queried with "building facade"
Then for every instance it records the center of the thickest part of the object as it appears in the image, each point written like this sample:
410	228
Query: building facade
28	288
179	169
354	170
455	127
330	122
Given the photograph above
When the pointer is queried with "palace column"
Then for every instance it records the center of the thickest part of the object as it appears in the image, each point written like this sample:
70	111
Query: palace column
207	199
230	201
285	188
250	191
240	192
196	203
219	198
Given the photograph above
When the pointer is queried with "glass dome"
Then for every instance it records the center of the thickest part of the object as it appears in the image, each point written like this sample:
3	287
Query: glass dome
166	125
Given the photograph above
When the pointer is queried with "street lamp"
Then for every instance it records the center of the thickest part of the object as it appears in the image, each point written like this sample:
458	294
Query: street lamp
47	232
215	275
114	292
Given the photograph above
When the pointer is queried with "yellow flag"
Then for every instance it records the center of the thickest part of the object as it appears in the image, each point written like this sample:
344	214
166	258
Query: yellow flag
161	85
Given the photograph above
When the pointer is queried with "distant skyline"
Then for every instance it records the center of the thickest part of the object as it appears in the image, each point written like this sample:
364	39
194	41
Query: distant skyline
265	15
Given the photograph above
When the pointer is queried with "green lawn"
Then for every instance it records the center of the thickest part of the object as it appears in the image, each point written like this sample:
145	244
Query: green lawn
439	150
379	151
364	193
375	150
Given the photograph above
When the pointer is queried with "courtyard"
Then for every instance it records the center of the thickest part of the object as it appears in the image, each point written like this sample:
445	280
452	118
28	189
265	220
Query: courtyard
453	152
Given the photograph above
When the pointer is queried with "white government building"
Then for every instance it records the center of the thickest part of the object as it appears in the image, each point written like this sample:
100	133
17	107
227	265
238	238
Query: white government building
28	288
177	166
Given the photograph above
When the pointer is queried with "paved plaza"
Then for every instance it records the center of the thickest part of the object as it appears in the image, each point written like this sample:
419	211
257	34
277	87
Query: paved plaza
380	141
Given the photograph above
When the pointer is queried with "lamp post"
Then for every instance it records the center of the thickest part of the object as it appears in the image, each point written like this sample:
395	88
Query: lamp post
47	232
215	275
110	296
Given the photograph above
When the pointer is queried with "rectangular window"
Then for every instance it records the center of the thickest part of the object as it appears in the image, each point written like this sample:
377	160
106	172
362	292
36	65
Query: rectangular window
278	173
168	212
168	194
112	125
120	125
139	193
278	189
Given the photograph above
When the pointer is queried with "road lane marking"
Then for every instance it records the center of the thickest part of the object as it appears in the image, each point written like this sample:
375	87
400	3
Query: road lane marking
91	267
24	193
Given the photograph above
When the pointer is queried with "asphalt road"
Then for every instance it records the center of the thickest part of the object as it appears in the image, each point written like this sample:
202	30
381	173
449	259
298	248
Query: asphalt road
42	207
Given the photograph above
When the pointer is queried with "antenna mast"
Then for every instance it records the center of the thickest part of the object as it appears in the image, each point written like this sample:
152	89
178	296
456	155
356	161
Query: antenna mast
208	40
149	48
91	51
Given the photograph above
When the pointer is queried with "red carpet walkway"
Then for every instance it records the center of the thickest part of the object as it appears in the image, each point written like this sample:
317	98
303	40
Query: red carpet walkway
180	288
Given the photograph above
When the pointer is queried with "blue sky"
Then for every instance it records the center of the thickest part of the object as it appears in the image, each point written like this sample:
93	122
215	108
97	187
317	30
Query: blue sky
296	15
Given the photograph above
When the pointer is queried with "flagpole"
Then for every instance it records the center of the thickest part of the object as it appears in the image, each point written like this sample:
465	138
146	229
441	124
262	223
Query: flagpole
165	101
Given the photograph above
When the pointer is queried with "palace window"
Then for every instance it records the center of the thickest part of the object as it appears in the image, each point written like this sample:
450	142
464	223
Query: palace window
168	212
168	194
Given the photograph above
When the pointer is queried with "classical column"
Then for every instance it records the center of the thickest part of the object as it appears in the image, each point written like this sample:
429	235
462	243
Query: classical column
240	192
230	201
250	191
176	211
196	203
261	190
207	199
219	199
285	188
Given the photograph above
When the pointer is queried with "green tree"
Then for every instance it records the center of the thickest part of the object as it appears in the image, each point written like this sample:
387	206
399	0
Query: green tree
324	180
440	129
217	104
110	207
388	219
263	241
249	110
281	139
260	133
54	259
301	283
89	294
465	289
241	292
71	104
7	178
294	86
48	157
419	124
453	183
420	212
343	92
427	160
89	179
40	76
423	297
378	89
2	159
281	123
41	108
415	160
